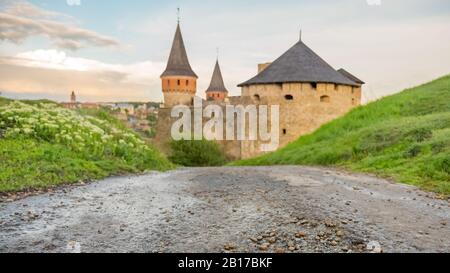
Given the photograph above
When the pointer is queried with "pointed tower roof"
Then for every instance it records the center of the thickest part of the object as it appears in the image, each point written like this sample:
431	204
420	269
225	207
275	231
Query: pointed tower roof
299	64
217	84
178	64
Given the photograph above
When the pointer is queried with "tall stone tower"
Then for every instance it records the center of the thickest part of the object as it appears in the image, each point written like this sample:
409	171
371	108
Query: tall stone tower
179	81
73	98
216	90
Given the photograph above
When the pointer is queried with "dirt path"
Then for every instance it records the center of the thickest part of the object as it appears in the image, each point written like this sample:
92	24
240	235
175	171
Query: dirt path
276	209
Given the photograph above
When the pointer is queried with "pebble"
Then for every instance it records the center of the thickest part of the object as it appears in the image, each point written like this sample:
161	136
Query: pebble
279	250
303	222
374	247
264	247
229	246
329	223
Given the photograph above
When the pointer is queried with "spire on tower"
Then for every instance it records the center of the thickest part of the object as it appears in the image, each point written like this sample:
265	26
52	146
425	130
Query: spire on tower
178	63
217	84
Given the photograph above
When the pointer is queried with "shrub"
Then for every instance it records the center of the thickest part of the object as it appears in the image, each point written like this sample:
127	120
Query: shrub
420	134
196	153
413	151
48	122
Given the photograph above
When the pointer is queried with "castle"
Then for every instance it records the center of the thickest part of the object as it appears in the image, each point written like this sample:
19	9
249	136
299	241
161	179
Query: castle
307	89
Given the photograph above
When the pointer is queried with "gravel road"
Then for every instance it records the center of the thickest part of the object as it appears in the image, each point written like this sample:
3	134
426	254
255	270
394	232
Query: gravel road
230	209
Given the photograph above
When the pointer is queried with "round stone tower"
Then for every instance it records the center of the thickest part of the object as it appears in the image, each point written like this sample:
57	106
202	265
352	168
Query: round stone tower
179	81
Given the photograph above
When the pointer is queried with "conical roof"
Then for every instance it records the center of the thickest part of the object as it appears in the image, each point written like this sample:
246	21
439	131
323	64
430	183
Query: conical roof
217	84
299	64
178	64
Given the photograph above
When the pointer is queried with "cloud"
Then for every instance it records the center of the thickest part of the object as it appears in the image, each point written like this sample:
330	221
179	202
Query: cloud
140	72
22	20
57	84
25	9
39	71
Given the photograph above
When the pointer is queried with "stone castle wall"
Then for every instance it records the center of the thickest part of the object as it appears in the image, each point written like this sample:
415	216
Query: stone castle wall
304	107
232	149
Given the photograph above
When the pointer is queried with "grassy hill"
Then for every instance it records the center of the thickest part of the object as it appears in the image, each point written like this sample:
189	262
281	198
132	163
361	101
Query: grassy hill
405	137
43	145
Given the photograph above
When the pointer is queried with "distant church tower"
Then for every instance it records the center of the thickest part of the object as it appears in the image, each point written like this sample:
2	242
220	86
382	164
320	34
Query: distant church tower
179	82
73	98
216	90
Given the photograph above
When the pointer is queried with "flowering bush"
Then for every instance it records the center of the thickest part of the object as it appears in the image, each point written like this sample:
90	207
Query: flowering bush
54	124
42	145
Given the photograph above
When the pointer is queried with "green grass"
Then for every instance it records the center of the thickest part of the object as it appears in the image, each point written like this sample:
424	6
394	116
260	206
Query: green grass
43	158
4	101
404	136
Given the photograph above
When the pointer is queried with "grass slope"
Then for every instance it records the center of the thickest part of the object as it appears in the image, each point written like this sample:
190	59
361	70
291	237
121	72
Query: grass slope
405	137
43	145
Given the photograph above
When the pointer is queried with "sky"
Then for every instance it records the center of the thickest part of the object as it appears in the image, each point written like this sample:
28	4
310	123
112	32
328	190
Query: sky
117	50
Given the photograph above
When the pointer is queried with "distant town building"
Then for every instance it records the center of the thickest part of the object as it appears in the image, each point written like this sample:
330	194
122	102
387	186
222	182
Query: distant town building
126	108
74	104
110	105
73	98
89	105
141	112
135	117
